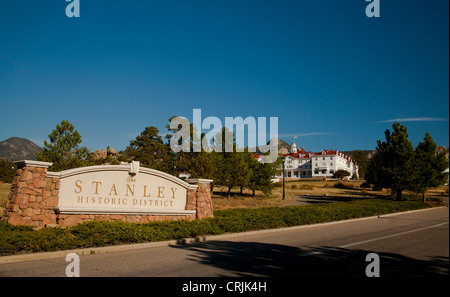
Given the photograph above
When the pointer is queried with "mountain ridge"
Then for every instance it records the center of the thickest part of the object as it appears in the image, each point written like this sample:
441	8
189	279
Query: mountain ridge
18	148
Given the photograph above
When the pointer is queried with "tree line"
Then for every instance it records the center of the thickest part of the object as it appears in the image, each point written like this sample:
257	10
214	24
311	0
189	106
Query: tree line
230	169
398	166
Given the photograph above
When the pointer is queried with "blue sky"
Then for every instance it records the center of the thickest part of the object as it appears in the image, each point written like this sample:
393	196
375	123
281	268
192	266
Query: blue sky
333	77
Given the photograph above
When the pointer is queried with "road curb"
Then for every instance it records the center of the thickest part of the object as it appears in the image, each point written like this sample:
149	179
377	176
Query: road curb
118	248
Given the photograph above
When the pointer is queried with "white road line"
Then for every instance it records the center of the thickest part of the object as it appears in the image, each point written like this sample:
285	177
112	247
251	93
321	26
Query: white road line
369	240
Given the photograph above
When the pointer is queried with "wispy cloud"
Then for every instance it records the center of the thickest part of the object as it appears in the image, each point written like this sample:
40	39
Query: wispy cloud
418	119
304	134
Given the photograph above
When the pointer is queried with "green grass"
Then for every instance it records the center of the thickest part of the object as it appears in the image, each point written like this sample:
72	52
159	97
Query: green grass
23	239
4	193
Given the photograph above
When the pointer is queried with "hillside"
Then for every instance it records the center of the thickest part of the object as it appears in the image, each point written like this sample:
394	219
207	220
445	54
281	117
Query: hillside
283	147
368	153
16	148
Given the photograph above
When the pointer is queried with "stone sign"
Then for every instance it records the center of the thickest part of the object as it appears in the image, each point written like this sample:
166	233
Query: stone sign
126	192
112	189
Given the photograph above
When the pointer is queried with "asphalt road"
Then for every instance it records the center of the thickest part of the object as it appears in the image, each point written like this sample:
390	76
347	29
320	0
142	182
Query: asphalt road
408	244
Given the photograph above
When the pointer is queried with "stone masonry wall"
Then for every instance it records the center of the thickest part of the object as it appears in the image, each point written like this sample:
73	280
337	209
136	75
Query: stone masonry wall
33	197
204	205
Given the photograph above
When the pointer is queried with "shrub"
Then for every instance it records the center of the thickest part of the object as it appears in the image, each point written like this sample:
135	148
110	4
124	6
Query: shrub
278	184
365	185
341	185
306	187
19	239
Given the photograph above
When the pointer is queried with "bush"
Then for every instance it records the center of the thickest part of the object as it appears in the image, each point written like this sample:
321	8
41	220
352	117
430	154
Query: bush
341	185
19	239
306	187
7	171
365	185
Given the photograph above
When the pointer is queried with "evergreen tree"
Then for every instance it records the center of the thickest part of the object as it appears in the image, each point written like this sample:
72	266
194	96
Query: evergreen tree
374	173
400	160
430	166
361	159
204	165
185	160
149	149
233	170
7	171
261	176
393	164
64	149
252	168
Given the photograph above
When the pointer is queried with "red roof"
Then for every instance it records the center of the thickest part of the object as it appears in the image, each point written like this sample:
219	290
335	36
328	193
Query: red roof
306	154
327	153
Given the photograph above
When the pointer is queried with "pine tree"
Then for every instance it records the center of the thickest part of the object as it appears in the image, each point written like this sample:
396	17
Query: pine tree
430	166
400	160
392	166
184	159
204	165
233	170
150	150
64	149
261	177
361	159
7	171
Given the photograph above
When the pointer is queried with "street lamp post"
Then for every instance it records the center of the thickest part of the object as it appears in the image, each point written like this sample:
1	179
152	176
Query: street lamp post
174	158
284	191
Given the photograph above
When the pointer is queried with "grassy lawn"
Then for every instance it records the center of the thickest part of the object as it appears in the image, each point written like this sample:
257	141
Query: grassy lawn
23	239
4	193
309	188
235	214
293	188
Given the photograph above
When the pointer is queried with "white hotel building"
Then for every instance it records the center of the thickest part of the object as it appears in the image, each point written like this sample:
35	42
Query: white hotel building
301	164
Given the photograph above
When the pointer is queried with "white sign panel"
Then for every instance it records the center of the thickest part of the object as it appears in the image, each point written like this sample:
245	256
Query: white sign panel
121	189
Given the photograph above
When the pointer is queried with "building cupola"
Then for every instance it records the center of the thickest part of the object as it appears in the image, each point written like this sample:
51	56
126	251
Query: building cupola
293	148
